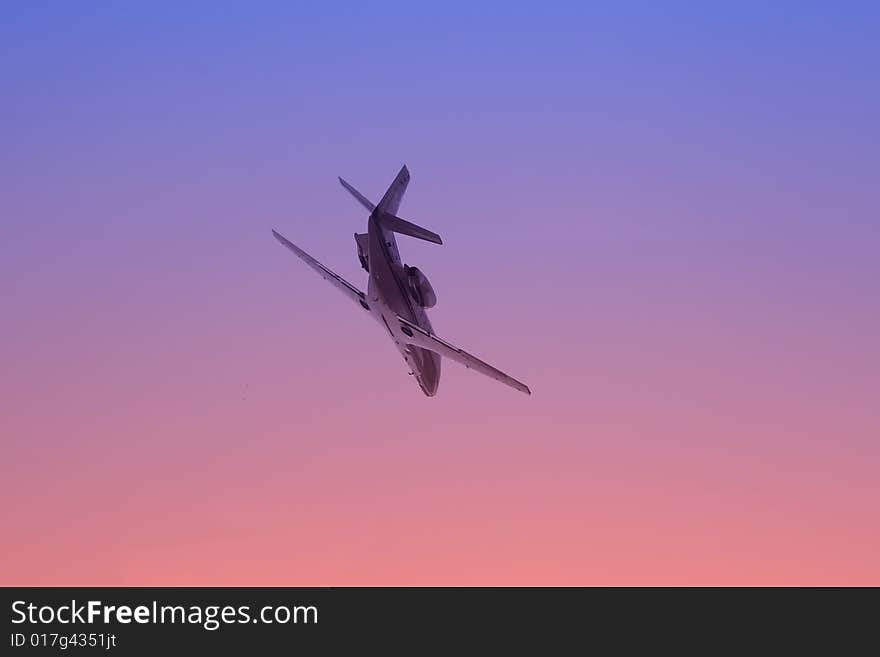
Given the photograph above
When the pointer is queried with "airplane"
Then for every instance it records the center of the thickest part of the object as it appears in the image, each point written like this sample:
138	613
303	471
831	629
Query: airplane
398	295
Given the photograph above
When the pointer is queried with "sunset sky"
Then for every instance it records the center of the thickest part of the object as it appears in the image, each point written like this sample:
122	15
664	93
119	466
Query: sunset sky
663	217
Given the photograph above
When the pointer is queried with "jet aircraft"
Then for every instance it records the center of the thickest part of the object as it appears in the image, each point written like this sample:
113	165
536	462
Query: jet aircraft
398	295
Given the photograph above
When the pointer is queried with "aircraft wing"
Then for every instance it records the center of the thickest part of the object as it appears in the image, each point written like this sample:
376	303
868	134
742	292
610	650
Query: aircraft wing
421	338
335	279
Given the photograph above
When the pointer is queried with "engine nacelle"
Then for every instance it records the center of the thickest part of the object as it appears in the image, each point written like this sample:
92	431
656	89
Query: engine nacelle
363	244
420	288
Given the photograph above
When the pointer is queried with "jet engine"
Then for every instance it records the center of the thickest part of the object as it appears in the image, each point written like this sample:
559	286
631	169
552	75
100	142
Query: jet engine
420	287
363	244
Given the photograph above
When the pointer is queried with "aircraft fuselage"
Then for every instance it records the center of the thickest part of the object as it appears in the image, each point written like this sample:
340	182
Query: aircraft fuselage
388	298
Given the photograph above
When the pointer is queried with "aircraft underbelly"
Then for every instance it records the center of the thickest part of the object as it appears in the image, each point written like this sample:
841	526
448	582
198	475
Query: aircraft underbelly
389	298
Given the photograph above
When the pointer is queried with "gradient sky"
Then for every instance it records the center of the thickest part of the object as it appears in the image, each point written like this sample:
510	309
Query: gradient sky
663	219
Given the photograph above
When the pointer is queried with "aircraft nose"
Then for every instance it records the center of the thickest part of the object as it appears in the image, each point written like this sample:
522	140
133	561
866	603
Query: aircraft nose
429	372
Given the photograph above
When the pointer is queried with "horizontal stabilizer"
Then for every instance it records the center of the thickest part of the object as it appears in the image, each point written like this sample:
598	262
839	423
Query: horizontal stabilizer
405	227
363	200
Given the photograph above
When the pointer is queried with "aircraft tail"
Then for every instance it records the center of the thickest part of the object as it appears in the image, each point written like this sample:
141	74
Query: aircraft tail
390	203
363	200
404	227
385	211
391	200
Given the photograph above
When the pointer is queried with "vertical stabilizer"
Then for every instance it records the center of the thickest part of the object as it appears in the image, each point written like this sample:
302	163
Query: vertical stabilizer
391	201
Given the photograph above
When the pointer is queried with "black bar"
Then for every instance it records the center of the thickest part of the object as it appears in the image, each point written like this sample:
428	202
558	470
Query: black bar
415	620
